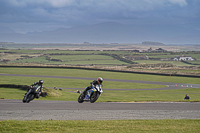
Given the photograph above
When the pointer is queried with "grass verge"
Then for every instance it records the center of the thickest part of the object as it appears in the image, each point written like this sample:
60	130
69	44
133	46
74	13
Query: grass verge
111	126
112	95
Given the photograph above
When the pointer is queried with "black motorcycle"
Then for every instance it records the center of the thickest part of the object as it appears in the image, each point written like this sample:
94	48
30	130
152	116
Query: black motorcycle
33	93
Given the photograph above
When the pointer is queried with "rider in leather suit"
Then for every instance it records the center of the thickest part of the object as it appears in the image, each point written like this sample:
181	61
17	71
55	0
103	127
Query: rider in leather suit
93	83
37	93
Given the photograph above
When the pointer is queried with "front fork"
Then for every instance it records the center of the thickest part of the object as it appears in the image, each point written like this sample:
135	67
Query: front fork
28	93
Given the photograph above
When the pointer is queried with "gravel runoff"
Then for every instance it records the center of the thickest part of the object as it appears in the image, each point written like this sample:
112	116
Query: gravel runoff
97	114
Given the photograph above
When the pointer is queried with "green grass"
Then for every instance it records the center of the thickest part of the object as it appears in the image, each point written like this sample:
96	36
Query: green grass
26	51
194	62
176	63
74	83
111	95
95	74
111	126
89	62
31	60
150	95
81	57
170	71
72	60
11	93
108	95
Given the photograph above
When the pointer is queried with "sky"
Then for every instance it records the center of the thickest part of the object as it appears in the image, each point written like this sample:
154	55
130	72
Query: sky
46	15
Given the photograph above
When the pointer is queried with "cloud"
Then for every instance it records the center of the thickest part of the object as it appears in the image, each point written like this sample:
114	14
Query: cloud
17	3
133	4
179	2
73	12
52	3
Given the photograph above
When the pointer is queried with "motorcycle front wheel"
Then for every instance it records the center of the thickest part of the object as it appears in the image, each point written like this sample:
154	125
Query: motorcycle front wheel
29	98
81	98
24	99
94	96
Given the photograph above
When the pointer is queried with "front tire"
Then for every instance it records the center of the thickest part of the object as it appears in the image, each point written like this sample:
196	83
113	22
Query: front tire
30	97
94	96
81	98
24	99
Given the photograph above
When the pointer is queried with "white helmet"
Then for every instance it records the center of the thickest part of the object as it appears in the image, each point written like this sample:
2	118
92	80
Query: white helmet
100	79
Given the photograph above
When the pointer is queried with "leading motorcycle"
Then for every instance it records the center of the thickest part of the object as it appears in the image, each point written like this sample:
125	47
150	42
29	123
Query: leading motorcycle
92	94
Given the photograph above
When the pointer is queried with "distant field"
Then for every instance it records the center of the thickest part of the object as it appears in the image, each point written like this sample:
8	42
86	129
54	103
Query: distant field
169	55
105	59
177	63
195	62
73	60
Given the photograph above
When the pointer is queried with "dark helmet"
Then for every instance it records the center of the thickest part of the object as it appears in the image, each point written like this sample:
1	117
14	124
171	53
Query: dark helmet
100	79
40	81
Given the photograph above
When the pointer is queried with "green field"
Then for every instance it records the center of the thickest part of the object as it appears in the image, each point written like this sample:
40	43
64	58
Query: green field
72	60
103	59
108	95
94	74
99	58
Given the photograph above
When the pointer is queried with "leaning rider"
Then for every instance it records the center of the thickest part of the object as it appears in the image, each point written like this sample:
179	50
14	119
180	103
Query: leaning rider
39	88
93	83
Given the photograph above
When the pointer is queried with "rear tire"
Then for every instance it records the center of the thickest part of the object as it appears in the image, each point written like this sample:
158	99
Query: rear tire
81	98
94	96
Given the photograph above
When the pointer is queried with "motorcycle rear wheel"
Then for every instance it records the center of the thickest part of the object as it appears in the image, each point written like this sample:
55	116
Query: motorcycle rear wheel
94	96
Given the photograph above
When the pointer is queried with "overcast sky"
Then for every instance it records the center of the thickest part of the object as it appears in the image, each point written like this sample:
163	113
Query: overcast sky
39	15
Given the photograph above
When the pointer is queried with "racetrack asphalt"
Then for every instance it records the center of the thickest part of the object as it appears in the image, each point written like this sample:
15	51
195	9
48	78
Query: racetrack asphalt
72	110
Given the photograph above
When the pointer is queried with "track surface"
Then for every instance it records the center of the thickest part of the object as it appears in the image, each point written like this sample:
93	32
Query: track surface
72	110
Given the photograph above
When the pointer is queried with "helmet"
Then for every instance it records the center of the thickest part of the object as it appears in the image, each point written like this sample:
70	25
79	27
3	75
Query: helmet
40	81
100	79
